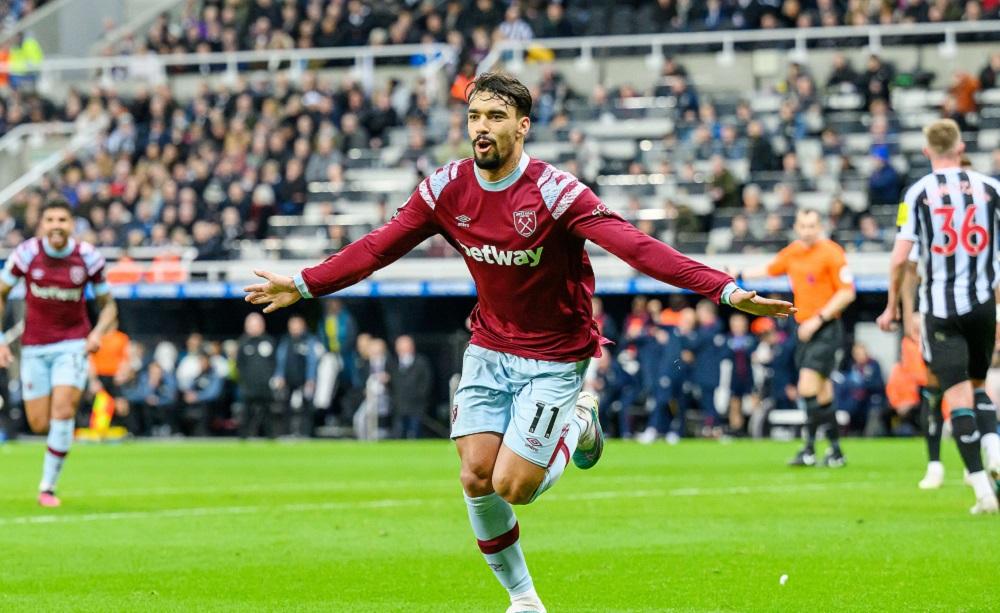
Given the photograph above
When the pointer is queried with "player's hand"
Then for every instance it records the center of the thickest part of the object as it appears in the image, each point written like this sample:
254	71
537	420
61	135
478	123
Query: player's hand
887	320
809	327
750	302
6	357
278	293
93	342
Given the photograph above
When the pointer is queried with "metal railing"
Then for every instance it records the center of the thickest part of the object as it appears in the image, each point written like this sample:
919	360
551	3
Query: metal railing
51	162
34	132
435	54
143	19
727	41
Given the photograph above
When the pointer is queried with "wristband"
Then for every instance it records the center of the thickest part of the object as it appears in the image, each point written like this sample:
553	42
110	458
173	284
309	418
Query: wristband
727	291
300	285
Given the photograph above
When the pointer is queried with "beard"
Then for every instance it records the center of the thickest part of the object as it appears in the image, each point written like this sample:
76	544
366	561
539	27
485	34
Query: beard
491	160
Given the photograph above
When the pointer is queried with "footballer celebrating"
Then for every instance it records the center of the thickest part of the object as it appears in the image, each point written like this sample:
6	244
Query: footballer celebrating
521	225
57	335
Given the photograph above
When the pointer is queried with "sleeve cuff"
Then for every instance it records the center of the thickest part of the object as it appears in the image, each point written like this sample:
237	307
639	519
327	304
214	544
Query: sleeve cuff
300	284
102	289
727	291
8	278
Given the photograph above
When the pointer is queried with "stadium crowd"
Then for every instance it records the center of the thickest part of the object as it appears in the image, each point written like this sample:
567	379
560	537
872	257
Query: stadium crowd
212	171
298	384
472	26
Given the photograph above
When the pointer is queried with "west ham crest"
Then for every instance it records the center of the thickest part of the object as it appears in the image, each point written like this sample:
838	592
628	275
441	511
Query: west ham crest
77	275
525	223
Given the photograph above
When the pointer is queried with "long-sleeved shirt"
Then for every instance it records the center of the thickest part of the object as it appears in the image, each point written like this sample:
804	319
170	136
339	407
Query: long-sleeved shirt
523	240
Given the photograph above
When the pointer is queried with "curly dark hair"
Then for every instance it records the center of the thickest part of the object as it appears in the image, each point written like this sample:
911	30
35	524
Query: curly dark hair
505	87
58	203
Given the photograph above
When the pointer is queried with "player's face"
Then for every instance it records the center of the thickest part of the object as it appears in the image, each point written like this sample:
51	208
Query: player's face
807	228
494	129
57	227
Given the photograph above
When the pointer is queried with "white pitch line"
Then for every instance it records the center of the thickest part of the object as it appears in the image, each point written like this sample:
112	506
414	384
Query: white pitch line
403	502
250	487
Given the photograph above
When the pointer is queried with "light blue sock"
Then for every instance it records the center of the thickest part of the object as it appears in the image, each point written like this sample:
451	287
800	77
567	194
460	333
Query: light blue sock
560	459
495	526
60	437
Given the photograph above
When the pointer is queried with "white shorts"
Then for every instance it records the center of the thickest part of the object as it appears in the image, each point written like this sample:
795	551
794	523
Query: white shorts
529	402
46	366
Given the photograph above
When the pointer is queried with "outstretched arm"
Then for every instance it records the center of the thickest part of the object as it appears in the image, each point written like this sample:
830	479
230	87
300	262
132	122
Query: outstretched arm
412	224
588	218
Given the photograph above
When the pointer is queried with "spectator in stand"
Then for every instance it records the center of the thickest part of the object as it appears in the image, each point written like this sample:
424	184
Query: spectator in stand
840	220
842	74
708	344
741	346
759	151
201	400
876	80
740	239
153	399
554	24
989	74
731	146
411	383
723	188
775	355
884	184
871	238
338	333
296	364
667	417
861	391
513	26
255	366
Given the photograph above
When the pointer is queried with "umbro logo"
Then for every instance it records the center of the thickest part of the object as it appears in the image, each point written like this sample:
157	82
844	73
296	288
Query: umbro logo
463	221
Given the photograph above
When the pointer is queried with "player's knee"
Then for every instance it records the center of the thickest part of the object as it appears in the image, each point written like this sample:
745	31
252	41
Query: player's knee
514	490
476	480
39	424
62	410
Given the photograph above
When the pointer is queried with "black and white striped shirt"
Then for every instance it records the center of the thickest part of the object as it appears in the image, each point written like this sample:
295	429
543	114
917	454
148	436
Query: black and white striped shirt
953	216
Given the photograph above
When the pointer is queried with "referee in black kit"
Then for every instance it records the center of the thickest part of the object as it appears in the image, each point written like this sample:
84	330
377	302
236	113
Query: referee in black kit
953	215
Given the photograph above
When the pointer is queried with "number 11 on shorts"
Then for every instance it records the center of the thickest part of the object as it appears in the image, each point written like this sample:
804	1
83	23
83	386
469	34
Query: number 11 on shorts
538	416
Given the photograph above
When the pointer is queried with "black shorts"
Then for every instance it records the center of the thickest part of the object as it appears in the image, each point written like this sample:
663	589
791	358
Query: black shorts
108	383
822	352
960	348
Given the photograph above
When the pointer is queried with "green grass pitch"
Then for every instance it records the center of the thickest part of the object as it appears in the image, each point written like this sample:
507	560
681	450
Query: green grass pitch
702	526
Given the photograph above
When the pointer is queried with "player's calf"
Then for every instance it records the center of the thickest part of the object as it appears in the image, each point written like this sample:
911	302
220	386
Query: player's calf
986	422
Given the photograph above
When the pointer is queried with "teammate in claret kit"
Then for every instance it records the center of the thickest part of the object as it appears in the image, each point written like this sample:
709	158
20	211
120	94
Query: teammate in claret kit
521	224
57	333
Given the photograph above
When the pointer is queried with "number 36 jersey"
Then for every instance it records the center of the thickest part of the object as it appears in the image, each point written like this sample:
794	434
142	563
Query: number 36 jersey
953	217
